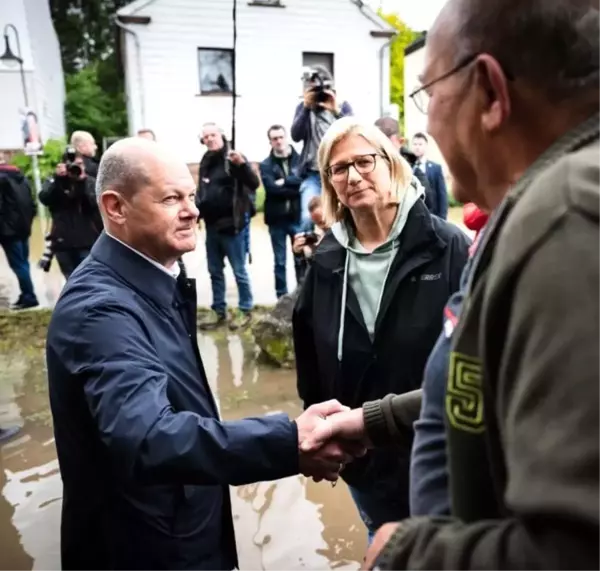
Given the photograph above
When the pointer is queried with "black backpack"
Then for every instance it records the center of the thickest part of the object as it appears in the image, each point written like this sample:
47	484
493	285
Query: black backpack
17	207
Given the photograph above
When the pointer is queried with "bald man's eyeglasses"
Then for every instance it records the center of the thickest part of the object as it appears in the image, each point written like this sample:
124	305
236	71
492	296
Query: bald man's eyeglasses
420	96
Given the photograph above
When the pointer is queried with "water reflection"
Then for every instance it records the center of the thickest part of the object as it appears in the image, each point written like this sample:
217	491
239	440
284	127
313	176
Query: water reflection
288	524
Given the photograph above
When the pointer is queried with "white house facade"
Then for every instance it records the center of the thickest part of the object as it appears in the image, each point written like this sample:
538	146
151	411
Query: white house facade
414	120
178	64
42	71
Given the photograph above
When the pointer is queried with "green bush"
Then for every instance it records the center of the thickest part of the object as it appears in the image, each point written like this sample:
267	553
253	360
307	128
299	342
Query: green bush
53	152
452	202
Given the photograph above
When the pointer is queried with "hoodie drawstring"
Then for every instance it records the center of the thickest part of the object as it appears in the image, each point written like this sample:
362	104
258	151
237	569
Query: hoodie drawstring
340	350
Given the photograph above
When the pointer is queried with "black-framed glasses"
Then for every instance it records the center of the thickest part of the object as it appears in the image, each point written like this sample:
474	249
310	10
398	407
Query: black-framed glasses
420	96
364	164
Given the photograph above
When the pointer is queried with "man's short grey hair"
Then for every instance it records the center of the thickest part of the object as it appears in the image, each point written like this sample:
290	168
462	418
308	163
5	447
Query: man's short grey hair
120	173
553	45
78	137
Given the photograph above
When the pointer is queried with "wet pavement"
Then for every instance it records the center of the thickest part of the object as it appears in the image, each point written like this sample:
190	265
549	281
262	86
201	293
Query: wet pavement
48	285
287	524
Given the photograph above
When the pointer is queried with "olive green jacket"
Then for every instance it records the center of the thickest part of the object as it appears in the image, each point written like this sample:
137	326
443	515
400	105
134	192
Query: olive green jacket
522	399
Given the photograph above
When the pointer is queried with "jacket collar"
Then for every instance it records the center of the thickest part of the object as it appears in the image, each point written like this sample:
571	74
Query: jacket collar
419	243
135	270
417	236
293	153
571	141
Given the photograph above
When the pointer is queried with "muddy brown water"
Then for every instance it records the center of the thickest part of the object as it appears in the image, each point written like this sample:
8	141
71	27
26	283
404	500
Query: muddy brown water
291	523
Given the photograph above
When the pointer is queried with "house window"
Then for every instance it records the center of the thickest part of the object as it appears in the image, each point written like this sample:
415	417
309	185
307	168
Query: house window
310	59
215	67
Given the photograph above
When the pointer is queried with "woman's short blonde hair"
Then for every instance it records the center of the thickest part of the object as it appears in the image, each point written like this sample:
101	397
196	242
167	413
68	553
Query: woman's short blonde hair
400	171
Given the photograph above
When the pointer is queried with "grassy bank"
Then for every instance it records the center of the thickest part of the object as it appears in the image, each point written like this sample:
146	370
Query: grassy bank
27	329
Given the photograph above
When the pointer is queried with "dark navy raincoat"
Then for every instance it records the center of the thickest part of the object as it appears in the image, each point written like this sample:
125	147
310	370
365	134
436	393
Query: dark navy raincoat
144	458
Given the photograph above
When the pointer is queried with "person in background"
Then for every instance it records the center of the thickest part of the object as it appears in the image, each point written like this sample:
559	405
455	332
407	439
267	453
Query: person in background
391	129
134	416
226	192
147	134
313	117
306	243
279	175
439	197
85	144
17	212
76	223
373	297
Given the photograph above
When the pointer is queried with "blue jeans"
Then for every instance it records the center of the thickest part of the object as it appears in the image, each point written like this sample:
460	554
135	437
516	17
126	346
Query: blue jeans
68	260
17	255
376	510
310	187
279	234
233	247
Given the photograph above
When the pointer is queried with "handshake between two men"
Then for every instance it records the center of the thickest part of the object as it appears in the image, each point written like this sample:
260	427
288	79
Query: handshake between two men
330	435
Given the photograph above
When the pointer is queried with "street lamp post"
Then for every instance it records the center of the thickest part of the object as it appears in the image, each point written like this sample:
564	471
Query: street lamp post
9	59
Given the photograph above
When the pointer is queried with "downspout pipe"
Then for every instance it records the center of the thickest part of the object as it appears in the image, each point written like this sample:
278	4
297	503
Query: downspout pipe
136	39
367	12
382	95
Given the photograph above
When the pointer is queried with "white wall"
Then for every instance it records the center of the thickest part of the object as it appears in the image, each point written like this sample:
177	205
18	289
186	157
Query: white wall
270	45
48	76
11	90
414	120
43	72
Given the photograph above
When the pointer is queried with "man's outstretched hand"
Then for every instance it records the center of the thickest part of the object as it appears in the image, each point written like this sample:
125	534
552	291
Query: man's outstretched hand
346	426
321	457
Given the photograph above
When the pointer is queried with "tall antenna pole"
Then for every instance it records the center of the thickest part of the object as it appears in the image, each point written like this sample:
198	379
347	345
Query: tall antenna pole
234	74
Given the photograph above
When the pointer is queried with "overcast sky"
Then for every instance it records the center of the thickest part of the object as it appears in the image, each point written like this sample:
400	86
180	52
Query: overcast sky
418	14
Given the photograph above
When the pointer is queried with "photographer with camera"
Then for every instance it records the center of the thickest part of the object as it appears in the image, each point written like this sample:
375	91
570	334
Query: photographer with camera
305	243
85	144
312	119
70	196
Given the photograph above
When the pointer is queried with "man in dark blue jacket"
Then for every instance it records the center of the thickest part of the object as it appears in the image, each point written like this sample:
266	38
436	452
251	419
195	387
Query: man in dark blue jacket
438	202
279	174
145	460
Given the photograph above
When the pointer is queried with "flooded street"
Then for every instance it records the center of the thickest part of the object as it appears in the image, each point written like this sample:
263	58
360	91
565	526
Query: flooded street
48	285
288	524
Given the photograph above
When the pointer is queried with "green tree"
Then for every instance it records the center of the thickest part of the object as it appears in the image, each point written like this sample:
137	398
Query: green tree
90	107
404	38
94	81
52	154
86	30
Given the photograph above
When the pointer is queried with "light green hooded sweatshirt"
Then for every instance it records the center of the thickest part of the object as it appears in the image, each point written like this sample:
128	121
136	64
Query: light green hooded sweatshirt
367	272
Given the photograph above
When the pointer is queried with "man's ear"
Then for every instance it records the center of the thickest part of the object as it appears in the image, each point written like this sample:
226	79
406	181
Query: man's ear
114	207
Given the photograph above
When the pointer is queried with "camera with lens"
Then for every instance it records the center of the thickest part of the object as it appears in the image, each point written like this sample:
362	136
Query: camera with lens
311	238
320	83
73	169
47	256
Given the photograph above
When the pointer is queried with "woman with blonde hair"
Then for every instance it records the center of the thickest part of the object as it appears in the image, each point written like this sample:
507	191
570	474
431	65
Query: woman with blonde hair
371	306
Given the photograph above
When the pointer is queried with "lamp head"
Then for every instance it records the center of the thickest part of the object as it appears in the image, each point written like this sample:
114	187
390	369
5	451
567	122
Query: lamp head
8	58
